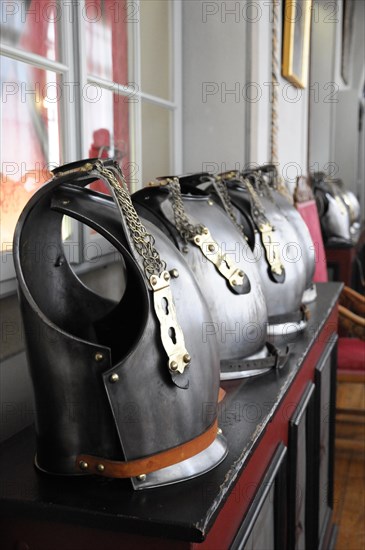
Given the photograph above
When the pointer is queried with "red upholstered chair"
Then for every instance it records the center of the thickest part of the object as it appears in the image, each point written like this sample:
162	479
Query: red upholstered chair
351	343
309	213
351	352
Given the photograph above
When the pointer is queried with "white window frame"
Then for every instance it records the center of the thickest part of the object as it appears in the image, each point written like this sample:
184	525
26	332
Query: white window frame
73	121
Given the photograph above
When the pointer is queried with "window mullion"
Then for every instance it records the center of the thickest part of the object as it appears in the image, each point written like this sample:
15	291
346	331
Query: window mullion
176	60
135	107
70	93
32	59
70	114
83	80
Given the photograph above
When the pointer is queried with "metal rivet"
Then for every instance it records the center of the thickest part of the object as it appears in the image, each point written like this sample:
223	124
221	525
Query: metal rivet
99	357
154	280
187	358
166	276
185	249
66	201
241	274
174	365
83	465
113	378
205	231
100	467
142	477
174	273
197	239
211	248
234	282
210	202
219	431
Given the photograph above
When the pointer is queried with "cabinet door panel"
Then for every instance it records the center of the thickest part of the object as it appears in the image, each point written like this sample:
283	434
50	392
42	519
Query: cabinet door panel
325	400
264	525
301	429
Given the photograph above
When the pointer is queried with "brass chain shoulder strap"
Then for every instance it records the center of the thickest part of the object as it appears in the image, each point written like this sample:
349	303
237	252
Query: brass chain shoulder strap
154	268
200	235
186	229
258	207
263	184
158	277
222	191
143	241
266	231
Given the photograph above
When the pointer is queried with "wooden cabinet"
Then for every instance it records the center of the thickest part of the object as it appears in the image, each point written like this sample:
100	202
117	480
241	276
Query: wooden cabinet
325	381
273	491
265	523
301	474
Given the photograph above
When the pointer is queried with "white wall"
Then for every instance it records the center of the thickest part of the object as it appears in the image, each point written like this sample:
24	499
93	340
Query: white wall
322	75
292	108
233	51
334	138
214	62
349	151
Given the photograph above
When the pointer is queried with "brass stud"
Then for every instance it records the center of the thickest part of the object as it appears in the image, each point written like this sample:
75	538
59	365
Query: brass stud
174	273
205	231
141	477
219	431
241	273
187	358
83	465
211	248
197	240
100	467
166	276
234	282
173	365
99	357
113	378
154	280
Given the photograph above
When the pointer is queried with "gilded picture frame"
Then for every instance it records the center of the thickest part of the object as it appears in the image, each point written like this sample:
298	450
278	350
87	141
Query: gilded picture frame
296	41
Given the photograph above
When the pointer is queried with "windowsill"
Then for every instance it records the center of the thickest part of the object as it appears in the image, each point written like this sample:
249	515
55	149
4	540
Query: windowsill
9	286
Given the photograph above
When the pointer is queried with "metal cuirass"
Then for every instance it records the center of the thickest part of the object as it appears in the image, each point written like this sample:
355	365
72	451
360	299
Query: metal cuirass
338	209
276	247
123	389
269	177
213	242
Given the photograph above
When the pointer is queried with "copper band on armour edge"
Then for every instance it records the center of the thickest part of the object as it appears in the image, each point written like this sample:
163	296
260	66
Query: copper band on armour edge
133	468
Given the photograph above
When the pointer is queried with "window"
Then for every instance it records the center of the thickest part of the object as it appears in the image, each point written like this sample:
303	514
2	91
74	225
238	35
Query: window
87	78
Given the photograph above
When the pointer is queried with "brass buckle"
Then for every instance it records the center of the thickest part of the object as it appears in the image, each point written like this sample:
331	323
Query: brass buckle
212	251
229	175
172	336
161	181
273	257
80	169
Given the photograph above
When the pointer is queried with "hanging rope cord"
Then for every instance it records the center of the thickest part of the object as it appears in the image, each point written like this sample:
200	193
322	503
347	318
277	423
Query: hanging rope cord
275	85
275	71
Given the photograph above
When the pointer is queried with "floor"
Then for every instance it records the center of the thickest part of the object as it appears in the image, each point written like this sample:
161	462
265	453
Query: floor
349	497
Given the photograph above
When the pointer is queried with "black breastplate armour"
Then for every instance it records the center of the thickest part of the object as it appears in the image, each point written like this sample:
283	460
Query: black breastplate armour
99	370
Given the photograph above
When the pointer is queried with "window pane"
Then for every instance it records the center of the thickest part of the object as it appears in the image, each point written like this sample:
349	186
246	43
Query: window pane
30	137
106	38
156	141
156	52
108	130
33	26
